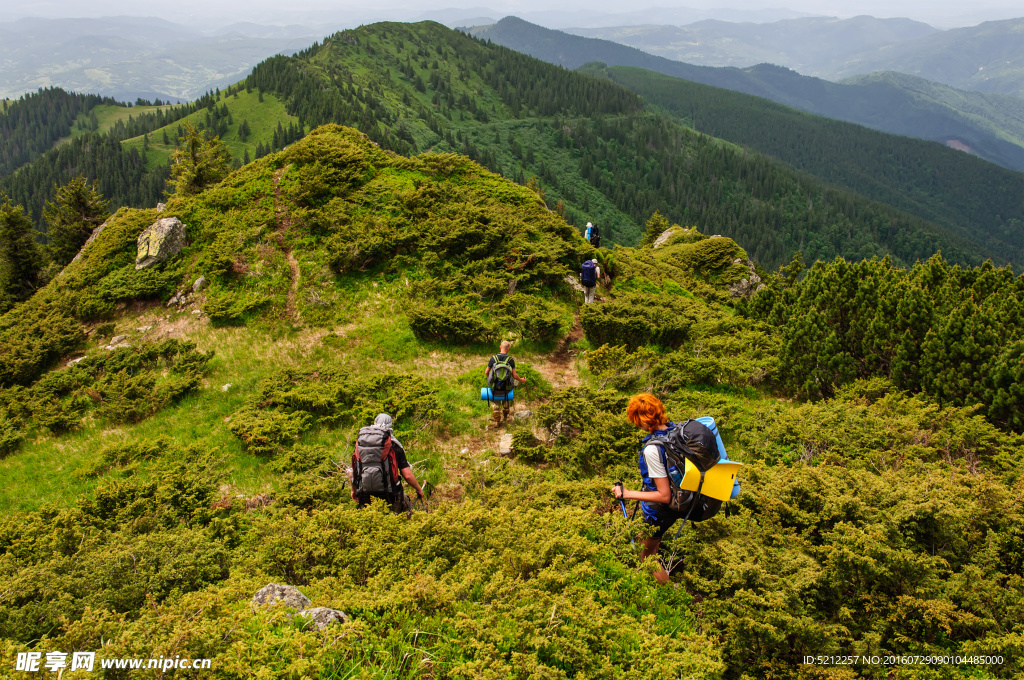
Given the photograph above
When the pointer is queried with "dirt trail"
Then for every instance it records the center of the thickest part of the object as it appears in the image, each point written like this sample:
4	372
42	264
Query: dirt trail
559	367
284	223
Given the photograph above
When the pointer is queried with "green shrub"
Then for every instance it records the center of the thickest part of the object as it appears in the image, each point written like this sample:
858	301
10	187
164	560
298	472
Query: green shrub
227	307
11	436
615	366
634	320
305	458
32	338
127	284
528	448
294	400
267	432
128	452
449	321
105	330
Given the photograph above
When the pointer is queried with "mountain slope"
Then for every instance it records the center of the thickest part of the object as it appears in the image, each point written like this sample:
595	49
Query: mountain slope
927	180
628	157
151	490
990	127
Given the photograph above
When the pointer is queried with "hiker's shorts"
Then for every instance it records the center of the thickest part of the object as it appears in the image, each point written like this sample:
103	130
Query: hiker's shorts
662	522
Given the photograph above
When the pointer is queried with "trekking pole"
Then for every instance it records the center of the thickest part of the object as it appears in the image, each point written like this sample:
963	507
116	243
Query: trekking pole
622	504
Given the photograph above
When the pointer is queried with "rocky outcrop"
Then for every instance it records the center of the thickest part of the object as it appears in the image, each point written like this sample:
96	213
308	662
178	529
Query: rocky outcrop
321	617
573	283
200	284
678	234
749	284
665	236
276	593
159	241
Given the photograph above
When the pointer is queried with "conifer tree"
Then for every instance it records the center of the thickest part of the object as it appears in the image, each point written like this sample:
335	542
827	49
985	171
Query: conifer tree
20	259
76	210
656	226
198	162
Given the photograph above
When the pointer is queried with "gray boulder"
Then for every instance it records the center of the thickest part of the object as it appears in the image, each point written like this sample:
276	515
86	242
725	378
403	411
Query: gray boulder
160	207
505	445
200	284
749	284
159	241
665	236
522	415
321	617
276	593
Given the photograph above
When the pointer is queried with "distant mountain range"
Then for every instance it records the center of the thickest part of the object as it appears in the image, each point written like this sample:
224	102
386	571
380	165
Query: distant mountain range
990	126
812	45
988	57
132	57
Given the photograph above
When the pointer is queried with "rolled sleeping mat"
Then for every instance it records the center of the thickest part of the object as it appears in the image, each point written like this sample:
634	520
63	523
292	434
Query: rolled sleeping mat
485	394
709	422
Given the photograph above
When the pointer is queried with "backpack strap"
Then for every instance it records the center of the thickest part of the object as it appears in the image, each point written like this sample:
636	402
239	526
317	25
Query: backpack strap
357	468
389	456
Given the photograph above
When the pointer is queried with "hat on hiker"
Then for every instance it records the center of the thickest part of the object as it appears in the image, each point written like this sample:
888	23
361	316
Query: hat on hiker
383	421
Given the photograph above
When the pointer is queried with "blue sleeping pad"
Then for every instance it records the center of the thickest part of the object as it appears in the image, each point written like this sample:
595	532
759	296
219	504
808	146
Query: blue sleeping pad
485	394
709	422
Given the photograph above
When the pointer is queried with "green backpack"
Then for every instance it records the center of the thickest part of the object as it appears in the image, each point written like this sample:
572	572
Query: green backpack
500	378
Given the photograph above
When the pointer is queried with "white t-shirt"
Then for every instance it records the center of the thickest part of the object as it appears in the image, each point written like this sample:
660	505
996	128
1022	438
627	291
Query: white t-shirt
655	468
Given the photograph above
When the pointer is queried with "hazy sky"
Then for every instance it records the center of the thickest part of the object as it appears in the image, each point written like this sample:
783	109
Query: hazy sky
941	13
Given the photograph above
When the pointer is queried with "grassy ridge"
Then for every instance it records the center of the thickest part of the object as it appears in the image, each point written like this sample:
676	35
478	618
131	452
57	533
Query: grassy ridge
263	115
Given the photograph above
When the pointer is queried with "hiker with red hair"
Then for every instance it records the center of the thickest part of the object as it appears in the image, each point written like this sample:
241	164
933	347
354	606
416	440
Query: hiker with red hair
648	413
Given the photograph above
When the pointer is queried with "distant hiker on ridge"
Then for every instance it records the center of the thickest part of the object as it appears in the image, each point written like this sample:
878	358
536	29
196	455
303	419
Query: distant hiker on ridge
590	273
378	464
501	378
590	228
595	236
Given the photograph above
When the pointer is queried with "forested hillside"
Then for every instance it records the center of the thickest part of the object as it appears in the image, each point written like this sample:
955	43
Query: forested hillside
127	174
990	125
174	438
35	122
416	87
929	181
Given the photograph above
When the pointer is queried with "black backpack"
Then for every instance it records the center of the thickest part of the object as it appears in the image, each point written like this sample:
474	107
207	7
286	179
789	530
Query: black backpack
693	441
374	466
500	377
